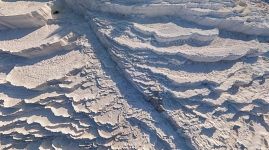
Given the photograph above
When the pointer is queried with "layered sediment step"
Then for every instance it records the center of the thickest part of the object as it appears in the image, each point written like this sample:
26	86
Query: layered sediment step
39	74
199	45
202	80
170	32
27	14
36	42
59	89
238	16
156	74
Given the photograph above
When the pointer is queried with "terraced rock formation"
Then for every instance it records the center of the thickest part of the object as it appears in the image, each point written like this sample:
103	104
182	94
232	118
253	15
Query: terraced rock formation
117	74
23	14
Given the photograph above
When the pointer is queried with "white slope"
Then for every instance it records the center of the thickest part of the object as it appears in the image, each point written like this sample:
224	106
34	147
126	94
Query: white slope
136	74
23	14
245	16
209	89
59	89
34	76
36	43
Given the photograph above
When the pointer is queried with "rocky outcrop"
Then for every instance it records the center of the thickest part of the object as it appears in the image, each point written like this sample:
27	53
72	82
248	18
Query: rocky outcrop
196	78
117	74
59	89
202	81
239	16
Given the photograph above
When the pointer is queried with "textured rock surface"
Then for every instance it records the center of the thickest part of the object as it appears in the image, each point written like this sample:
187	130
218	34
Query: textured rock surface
23	14
118	74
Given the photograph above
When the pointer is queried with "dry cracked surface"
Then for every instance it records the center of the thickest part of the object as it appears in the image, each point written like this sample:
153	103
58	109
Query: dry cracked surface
134	74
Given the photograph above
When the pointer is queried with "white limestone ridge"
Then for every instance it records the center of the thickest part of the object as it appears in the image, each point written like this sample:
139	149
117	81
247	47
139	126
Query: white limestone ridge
134	74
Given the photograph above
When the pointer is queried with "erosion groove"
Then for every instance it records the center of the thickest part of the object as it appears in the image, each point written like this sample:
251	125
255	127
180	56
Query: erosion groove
134	74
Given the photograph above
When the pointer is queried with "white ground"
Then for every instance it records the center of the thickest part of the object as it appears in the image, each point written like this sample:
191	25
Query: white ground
117	74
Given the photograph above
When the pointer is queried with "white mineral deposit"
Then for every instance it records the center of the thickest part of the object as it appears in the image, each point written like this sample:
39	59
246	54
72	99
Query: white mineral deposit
134	74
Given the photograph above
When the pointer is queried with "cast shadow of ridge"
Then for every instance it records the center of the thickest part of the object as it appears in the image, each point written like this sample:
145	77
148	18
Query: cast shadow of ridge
12	34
